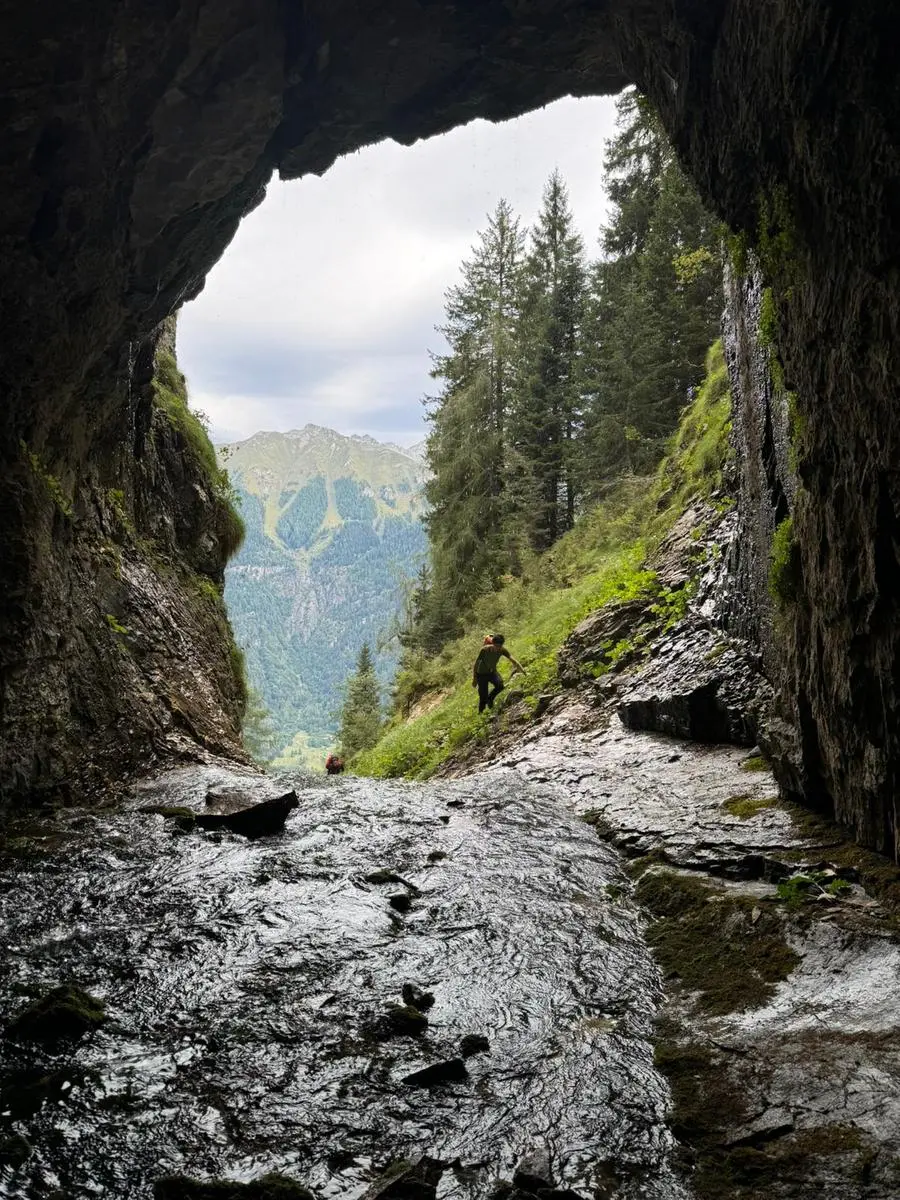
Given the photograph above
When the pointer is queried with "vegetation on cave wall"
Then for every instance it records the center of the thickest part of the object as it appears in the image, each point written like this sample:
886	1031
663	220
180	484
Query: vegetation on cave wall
170	398
600	560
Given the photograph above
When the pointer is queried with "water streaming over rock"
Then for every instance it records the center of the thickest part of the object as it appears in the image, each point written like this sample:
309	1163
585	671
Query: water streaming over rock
245	982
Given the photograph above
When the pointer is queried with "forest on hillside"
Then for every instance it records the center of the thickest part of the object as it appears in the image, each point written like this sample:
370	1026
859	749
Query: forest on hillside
562	372
563	378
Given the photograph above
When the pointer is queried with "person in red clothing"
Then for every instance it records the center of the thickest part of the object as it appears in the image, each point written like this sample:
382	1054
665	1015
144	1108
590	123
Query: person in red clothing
485	675
334	764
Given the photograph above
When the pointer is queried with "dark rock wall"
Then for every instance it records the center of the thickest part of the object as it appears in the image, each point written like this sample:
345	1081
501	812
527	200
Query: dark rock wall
764	478
116	646
136	134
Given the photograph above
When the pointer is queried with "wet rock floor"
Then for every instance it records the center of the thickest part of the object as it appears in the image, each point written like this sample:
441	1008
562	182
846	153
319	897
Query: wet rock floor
248	986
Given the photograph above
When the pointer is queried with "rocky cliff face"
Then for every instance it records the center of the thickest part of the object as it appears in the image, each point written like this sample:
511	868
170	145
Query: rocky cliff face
136	135
115	640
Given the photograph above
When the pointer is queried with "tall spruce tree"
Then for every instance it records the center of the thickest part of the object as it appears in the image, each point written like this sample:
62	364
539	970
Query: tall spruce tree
361	713
466	447
547	413
655	300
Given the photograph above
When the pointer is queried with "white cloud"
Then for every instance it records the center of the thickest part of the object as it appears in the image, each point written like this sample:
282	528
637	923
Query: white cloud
323	308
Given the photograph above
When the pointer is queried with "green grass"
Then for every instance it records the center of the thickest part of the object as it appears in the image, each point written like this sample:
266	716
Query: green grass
535	624
600	561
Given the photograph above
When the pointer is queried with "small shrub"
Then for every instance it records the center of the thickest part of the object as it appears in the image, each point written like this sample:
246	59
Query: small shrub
115	625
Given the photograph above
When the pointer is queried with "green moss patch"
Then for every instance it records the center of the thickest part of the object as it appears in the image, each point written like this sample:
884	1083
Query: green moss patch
747	807
785	572
756	763
752	1172
709	942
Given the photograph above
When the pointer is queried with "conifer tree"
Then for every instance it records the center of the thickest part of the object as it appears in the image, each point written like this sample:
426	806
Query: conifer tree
466	447
361	712
655	300
547	413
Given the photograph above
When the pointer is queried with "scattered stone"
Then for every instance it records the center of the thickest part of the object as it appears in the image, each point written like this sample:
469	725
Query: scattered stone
453	1070
25	1092
532	1172
382	876
400	901
65	1013
417	997
473	1043
15	1151
251	820
401	1020
268	1187
415	1179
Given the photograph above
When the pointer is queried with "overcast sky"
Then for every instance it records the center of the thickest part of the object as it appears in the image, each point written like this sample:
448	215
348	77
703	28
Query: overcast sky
323	308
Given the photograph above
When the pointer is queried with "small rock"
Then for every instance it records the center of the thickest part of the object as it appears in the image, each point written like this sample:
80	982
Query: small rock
755	914
453	1070
473	1043
400	901
532	1172
382	876
15	1151
445	819
64	1013
402	1020
456	804
417	997
436	856
407	1180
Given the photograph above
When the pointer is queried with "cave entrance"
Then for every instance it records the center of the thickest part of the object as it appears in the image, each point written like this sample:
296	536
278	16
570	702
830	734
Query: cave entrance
316	330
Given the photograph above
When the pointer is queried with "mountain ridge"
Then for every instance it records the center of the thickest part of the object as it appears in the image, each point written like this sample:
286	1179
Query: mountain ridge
333	528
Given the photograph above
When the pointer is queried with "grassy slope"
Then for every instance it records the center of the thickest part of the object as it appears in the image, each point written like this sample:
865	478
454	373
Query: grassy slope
599	561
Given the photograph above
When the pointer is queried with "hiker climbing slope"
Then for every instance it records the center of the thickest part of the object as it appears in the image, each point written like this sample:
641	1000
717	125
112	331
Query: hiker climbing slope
485	675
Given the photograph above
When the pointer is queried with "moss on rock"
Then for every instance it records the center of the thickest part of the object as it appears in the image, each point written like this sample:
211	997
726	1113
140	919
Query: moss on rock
64	1013
708	940
747	807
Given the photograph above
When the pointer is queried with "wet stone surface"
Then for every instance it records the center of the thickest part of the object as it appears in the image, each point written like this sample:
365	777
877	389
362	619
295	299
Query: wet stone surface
797	1097
242	980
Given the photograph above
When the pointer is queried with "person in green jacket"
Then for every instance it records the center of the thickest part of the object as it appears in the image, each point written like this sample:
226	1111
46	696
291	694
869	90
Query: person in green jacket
485	675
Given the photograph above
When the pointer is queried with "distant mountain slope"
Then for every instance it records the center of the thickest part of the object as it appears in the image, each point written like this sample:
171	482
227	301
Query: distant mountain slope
333	526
